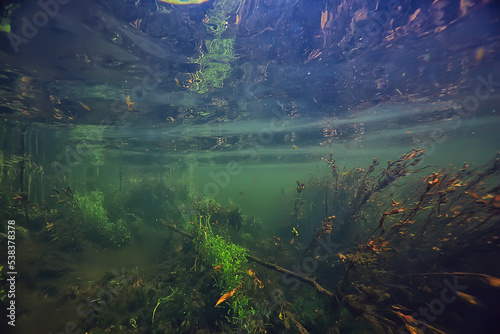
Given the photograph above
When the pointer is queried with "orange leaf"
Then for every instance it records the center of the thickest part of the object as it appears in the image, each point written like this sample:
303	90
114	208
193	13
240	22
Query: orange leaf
84	106
410	322
493	281
407	318
361	14
400	307
413	330
324	18
473	195
468	298
464	6
226	296
129	102
414	15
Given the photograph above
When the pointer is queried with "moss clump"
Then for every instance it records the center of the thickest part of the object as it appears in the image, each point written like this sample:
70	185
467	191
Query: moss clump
229	259
220	252
97	225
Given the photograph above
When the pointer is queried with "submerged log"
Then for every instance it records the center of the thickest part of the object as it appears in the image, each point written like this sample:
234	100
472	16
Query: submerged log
266	264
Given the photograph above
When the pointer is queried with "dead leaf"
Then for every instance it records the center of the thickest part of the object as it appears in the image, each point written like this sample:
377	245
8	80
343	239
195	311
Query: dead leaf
84	106
129	102
361	14
414	15
226	296
324	19
464	6
469	298
493	281
413	330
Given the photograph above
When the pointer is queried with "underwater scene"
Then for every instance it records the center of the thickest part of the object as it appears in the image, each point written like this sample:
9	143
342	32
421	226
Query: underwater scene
250	166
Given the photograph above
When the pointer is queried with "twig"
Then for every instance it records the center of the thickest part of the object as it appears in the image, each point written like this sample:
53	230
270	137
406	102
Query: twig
266	264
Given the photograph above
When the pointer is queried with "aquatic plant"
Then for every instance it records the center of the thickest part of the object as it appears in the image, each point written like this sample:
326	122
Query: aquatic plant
7	12
215	64
164	300
97	225
220	216
245	312
444	216
3	293
228	258
220	252
347	192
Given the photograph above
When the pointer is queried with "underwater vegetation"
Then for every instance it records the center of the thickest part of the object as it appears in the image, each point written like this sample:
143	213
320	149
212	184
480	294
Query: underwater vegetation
97	224
412	243
120	116
444	216
399	247
215	63
348	191
3	292
228	259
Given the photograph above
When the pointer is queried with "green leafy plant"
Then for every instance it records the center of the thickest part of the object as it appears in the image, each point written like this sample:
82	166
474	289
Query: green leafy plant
97	224
229	259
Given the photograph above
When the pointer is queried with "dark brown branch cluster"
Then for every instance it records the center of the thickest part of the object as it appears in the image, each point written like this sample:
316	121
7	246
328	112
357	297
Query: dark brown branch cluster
442	217
350	190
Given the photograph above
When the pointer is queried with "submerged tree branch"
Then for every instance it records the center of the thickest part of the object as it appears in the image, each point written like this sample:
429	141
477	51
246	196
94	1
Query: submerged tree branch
266	264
